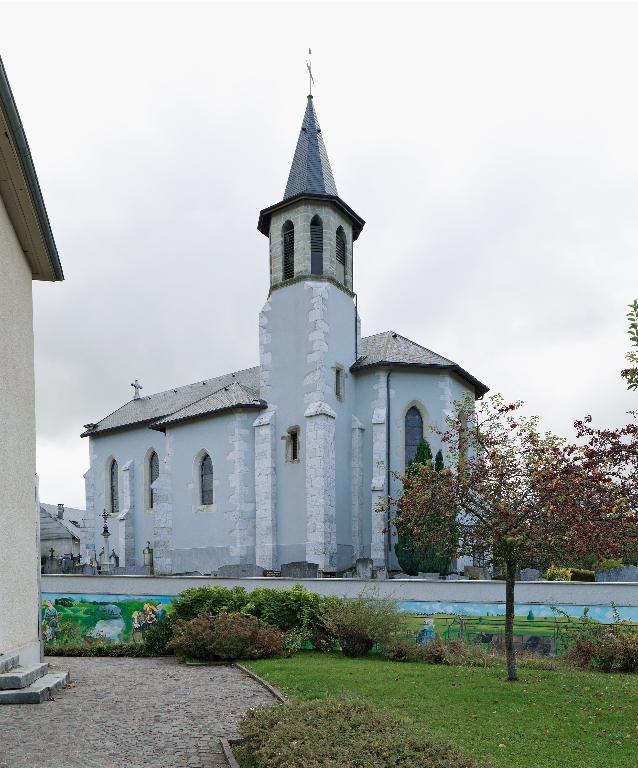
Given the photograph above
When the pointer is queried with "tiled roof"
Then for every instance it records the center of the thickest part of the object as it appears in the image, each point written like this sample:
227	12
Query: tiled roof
310	170
391	349
241	388
234	395
71	514
147	410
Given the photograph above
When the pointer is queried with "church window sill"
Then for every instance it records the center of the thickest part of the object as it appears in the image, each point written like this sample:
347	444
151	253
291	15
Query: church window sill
205	508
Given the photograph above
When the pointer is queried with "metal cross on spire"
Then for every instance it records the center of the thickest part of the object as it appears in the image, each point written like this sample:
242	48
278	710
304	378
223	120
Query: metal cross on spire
136	386
309	68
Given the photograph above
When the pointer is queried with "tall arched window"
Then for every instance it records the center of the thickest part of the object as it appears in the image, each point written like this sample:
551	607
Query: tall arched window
316	246
113	488
341	255
413	433
153	474
206	480
288	237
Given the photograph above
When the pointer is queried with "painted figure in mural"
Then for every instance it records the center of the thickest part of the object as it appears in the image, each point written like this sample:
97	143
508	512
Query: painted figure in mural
160	611
149	615
427	634
50	620
137	635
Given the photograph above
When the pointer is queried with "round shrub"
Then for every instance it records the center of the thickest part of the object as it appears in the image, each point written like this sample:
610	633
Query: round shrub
340	732
196	601
157	636
362	622
556	573
289	608
225	637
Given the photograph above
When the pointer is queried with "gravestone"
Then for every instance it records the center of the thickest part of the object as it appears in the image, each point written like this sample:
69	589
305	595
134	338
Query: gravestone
363	568
475	572
239	571
626	573
380	573
530	574
300	570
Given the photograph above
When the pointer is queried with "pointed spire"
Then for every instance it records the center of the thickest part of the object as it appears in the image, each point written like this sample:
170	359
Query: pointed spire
310	170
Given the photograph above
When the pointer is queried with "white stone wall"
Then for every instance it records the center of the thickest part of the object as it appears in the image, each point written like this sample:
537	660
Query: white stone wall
266	553
163	515
87	531
241	510
316	379
357	488
379	458
321	527
19	516
126	518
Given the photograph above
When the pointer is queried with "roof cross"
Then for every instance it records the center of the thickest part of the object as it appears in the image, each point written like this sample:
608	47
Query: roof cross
309	68
136	386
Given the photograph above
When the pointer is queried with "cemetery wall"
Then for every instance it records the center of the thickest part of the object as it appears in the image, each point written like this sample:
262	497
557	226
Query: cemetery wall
536	592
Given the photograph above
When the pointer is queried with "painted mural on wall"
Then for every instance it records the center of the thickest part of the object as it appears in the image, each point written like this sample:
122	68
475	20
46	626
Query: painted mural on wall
76	618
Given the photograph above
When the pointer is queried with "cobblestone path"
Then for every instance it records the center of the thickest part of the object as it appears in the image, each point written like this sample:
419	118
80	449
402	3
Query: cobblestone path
130	713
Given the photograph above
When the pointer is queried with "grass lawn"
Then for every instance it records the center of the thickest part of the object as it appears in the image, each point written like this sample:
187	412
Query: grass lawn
548	720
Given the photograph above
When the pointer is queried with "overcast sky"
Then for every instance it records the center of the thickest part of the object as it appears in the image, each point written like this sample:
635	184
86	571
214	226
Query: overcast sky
491	148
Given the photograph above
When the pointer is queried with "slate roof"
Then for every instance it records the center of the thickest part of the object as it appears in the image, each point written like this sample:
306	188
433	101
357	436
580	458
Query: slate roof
310	171
53	528
234	395
241	388
391	349
153	408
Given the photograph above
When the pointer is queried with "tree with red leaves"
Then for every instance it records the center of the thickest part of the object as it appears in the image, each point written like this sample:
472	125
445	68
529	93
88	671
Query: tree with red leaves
511	495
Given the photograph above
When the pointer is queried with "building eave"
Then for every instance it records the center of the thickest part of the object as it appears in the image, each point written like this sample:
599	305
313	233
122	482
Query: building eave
167	423
263	224
480	389
21	193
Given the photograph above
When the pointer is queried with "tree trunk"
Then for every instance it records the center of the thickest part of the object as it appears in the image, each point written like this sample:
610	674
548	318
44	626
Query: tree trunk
510	580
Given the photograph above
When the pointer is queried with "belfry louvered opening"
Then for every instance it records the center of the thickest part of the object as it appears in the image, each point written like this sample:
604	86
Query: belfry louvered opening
341	255
288	236
316	246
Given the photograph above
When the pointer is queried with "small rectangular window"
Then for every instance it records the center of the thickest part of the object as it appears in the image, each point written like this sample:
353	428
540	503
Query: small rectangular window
292	444
339	383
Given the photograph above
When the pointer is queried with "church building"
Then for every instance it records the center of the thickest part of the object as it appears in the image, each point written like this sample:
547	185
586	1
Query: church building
286	461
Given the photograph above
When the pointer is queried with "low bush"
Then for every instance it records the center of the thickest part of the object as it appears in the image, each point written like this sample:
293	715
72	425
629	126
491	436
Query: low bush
609	564
439	651
556	573
211	601
360	623
290	608
157	637
607	647
340	732
225	637
101	648
581	574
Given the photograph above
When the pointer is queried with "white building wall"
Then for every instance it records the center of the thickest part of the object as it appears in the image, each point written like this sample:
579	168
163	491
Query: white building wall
19	513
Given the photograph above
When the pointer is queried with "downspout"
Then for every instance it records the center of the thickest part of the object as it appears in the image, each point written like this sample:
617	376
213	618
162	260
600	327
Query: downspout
388	544
356	335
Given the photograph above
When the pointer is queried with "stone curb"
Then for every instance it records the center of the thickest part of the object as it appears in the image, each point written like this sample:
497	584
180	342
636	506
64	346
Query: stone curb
277	694
228	753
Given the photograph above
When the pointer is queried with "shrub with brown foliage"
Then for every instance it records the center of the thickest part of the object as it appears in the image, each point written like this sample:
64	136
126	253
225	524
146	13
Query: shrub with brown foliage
225	637
340	732
439	651
362	622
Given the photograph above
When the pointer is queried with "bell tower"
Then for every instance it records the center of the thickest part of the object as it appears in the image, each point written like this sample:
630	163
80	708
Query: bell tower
308	337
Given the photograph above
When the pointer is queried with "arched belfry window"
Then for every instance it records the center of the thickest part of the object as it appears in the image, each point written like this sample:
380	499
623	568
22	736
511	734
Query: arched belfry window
341	255
316	246
206	480
114	494
288	237
413	433
153	474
